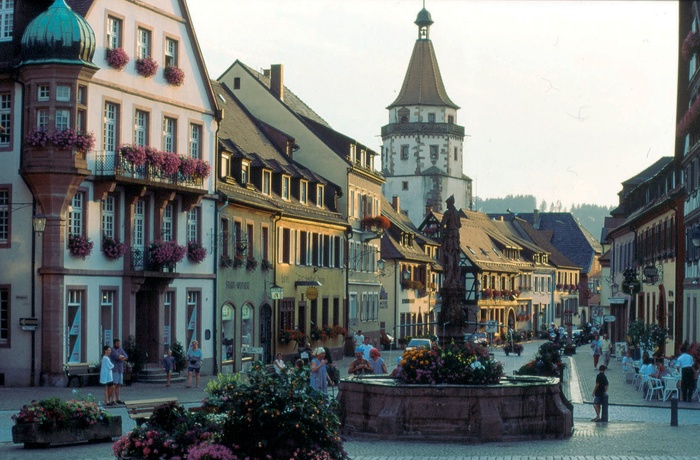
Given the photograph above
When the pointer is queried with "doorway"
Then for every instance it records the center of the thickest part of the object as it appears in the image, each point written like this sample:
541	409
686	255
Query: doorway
266	333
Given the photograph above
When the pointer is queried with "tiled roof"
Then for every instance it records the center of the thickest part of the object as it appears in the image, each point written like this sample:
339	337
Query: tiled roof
391	246
542	238
423	83
239	132
290	99
80	6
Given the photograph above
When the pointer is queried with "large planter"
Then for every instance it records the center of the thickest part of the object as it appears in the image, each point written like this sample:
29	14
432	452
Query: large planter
516	409
32	436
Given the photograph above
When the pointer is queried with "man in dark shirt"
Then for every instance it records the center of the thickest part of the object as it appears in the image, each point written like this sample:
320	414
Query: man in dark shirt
601	388
359	365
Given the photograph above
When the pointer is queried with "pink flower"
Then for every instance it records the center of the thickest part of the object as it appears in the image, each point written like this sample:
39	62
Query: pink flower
117	58
146	67
134	154
171	163
174	75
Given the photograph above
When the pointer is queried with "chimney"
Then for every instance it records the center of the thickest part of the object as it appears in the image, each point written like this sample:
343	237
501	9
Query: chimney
428	210
536	219
277	80
396	203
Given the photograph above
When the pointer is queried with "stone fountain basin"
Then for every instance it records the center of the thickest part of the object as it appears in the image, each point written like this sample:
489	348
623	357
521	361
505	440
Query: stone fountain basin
516	409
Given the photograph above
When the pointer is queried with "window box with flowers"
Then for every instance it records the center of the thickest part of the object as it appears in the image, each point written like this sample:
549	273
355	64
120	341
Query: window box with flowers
38	138
80	246
265	265
195	252
225	261
412	284
165	254
175	76
112	248
292	335
487	293
117	58
146	67
134	154
337	330
375	223
238	261
171	164
251	264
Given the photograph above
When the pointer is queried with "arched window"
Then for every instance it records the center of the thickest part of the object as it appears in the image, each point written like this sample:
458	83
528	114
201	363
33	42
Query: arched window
228	331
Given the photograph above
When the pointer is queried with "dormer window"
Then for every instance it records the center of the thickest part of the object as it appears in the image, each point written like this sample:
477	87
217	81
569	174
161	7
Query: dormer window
285	187
266	182
245	172
225	166
319	196
303	191
352	153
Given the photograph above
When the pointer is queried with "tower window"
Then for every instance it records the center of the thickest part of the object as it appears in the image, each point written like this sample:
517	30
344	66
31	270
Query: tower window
450	118
455	153
431	118
404	185
404	152
433	152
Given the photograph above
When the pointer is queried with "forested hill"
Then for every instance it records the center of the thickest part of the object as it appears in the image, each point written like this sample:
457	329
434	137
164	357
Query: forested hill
591	216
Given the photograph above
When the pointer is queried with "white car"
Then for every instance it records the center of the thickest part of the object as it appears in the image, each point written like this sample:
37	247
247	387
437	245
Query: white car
419	343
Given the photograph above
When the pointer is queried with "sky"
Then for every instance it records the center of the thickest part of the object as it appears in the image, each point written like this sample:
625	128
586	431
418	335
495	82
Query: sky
563	100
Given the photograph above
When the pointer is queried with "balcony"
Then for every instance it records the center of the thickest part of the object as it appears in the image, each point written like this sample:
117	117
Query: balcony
111	166
423	128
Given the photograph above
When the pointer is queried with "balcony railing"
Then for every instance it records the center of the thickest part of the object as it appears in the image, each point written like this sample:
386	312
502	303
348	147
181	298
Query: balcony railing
424	128
141	260
112	164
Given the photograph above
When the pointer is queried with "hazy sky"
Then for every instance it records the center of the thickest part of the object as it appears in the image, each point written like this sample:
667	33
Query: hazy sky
562	100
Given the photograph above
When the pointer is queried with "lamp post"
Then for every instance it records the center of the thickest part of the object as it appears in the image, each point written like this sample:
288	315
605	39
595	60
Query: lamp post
39	225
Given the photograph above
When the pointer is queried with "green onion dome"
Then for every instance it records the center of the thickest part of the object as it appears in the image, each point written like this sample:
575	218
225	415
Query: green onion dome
58	36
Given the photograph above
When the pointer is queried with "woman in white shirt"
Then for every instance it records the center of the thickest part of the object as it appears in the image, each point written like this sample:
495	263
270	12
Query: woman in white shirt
279	364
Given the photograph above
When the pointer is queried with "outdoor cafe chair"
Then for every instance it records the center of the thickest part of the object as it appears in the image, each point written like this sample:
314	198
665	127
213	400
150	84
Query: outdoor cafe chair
655	387
670	386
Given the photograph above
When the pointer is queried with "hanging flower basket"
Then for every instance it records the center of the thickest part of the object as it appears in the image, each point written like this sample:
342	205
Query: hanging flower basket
265	265
117	58
690	45
146	67
251	264
689	119
195	252
112	248
175	76
80	246
225	261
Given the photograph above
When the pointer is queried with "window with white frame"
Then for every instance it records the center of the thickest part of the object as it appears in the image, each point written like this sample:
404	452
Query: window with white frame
62	119
143	43
76	214
107	314
168	223
114	32
63	93
245	172
225	166
139	239
109	128
170	52
169	133
266	181
5	119
108	215
42	119
319	196
7	11
76	333
141	122
168	317
303	191
193	225
4	216
195	141
351	204
43	93
193	322
285	187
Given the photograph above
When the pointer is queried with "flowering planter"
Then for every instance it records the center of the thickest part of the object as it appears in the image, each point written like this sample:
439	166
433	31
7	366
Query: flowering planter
516	409
32	436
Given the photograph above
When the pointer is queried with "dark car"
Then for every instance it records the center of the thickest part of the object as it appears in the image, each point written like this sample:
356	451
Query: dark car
478	338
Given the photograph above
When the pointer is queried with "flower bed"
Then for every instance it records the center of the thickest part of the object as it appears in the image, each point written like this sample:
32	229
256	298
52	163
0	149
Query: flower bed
261	418
455	364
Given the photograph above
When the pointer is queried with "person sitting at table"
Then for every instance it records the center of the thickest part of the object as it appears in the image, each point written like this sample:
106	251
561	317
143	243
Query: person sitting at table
661	371
645	371
627	362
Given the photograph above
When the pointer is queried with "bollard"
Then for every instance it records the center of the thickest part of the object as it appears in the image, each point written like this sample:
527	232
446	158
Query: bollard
604	411
674	411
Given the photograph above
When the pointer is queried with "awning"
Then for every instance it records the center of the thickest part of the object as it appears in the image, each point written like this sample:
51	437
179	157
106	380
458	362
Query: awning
617	300
307	283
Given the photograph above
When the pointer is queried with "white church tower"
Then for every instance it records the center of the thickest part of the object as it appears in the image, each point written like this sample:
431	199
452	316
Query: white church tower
422	146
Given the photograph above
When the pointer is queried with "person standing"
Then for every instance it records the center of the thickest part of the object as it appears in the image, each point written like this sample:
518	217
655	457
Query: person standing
318	378
366	348
278	364
595	347
169	365
685	363
378	365
358	338
106	376
118	357
599	392
606	350
359	365
194	363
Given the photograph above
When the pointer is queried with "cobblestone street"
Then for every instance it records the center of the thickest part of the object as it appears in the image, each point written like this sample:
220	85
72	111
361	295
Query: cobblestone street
637	429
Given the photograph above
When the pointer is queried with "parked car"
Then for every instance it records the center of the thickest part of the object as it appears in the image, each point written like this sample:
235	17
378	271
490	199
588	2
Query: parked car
419	343
478	338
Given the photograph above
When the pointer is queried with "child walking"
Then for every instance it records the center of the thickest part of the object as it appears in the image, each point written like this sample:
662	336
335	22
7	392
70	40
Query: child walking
106	378
169	365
